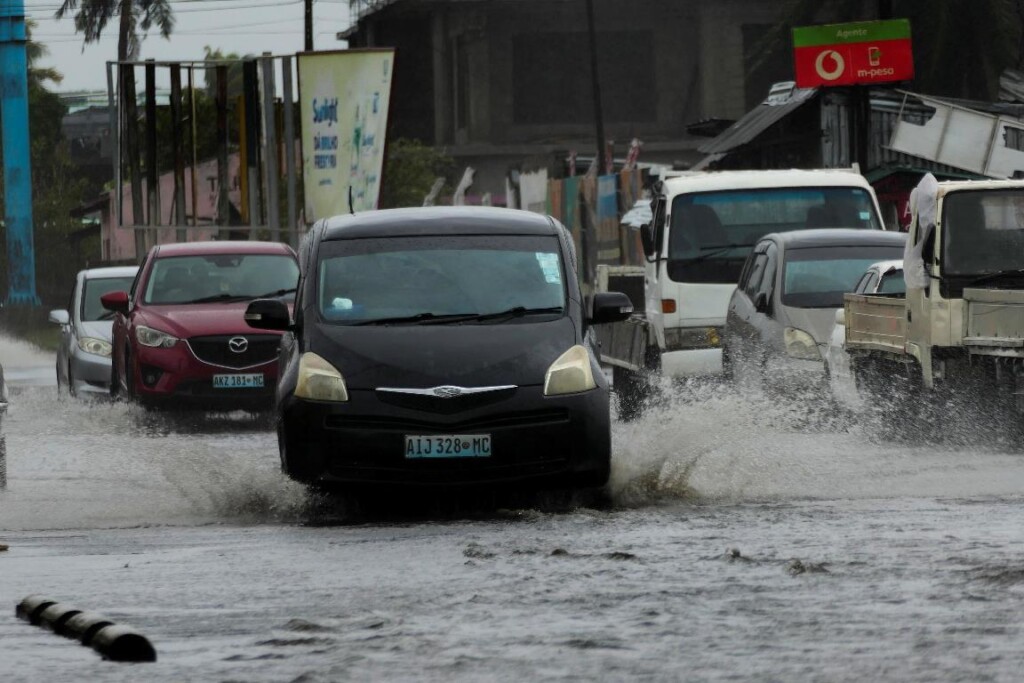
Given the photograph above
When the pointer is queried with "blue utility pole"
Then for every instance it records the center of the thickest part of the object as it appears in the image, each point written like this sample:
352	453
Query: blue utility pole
21	261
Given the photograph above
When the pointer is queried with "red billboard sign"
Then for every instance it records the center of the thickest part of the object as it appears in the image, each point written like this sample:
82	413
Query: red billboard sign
853	54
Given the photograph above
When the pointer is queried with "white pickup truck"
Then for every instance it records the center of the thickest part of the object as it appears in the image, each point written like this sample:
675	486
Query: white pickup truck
704	225
959	333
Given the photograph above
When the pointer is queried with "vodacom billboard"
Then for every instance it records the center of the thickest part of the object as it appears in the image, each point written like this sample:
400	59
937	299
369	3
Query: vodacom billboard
851	54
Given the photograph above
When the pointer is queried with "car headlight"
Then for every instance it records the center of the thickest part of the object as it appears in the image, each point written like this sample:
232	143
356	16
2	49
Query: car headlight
570	374
319	380
147	336
97	347
800	345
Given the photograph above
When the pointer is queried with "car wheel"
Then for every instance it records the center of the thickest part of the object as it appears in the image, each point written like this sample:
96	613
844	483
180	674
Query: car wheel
129	377
115	381
631	393
60	385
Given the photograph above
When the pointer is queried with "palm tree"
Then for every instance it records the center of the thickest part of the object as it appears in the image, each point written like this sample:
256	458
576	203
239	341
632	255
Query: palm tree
92	17
35	51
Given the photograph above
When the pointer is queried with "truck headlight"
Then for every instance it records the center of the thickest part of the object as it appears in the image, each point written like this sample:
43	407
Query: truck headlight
800	345
319	380
97	347
570	374
147	336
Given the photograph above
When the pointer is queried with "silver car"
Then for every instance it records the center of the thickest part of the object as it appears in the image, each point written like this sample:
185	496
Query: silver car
83	357
781	315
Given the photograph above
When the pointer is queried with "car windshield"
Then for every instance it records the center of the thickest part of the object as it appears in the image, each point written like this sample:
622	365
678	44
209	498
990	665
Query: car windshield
94	288
426	279
817	277
220	277
983	232
712	232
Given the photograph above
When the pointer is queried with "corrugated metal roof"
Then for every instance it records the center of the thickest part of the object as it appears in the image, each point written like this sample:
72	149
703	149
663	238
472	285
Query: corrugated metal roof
755	122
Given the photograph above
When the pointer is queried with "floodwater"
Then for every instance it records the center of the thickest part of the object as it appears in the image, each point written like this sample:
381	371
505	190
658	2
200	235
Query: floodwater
746	540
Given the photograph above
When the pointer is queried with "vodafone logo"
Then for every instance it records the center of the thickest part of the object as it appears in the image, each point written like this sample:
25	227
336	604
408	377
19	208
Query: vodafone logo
830	58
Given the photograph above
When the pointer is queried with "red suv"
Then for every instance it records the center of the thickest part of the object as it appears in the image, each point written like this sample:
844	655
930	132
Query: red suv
179	335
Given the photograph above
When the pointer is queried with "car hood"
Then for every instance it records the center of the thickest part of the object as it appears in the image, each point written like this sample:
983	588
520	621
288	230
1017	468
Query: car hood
817	322
196	320
420	356
97	329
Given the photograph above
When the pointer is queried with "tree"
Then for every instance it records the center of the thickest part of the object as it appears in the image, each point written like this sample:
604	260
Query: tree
410	171
92	17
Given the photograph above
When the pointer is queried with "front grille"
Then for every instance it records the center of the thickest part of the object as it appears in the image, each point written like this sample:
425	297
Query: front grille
215	350
444	406
534	418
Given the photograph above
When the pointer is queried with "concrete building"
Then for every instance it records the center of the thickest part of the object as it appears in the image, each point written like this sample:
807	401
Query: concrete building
499	81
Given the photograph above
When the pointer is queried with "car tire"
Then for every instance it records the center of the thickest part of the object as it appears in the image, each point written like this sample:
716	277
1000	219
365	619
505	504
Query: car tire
631	392
60	385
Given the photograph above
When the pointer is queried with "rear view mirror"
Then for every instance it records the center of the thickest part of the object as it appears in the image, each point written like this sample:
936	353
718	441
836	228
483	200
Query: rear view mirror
761	302
60	317
116	302
268	314
647	239
610	307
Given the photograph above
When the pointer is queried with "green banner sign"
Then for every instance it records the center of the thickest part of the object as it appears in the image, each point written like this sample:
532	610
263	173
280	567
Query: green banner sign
858	32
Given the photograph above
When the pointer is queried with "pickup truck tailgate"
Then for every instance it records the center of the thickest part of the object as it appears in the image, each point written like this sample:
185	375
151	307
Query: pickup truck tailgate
877	323
995	319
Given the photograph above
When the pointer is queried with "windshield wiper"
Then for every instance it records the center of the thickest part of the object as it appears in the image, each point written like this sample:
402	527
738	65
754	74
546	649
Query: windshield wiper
1019	273
274	294
716	250
418	319
218	298
514	312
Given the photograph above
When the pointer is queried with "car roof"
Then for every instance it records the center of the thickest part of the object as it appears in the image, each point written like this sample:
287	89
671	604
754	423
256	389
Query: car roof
438	220
886	266
220	247
827	237
109	271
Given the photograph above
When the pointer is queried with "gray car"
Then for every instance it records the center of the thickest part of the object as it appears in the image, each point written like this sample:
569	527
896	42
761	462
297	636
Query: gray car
83	357
781	315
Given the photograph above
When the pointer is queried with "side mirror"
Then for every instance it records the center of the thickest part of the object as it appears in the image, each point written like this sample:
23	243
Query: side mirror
761	302
60	317
116	302
268	314
647	239
610	307
840	316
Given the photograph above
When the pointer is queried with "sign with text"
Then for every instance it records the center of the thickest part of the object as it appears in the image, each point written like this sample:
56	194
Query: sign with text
344	98
853	54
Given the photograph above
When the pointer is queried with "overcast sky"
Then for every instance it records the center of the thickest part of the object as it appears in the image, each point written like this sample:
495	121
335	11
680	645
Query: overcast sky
240	26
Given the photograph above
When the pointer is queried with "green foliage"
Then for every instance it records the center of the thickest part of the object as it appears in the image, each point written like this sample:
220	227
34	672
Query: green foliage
92	17
410	171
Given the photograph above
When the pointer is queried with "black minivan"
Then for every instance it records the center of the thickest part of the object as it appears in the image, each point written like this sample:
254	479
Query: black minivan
441	346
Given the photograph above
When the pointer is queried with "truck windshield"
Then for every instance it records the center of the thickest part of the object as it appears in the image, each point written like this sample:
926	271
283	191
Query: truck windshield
431	280
711	233
817	277
982	232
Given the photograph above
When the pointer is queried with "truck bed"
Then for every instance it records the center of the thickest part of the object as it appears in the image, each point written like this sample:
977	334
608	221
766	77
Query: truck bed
875	323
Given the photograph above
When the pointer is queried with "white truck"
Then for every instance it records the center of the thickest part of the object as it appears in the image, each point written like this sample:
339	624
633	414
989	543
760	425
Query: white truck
703	227
958	336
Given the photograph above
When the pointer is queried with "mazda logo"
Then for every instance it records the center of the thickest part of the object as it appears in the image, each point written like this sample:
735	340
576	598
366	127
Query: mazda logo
447	392
238	344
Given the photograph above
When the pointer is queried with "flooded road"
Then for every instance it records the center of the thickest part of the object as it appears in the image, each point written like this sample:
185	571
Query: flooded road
745	542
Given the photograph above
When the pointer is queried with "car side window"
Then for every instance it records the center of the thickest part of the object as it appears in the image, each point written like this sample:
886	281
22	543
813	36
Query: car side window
756	274
869	286
861	285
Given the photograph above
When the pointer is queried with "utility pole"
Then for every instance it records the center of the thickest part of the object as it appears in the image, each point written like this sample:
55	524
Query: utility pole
309	25
598	114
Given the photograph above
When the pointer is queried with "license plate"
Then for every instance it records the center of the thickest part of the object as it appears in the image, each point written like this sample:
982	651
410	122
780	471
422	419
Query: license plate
253	381
448	446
